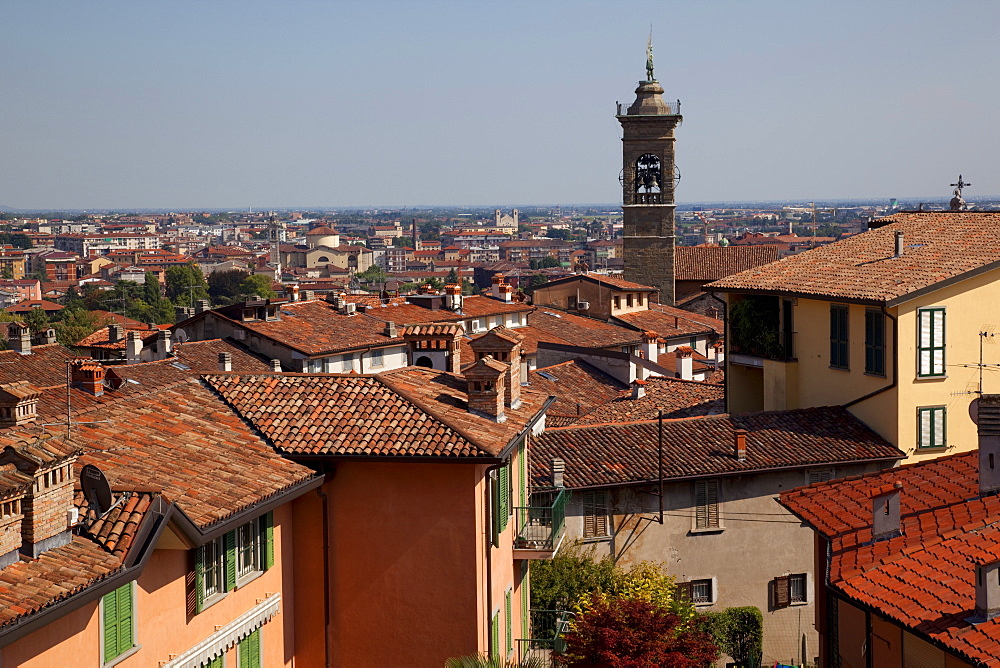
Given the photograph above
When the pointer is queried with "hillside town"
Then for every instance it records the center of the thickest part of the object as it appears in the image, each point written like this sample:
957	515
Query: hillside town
359	438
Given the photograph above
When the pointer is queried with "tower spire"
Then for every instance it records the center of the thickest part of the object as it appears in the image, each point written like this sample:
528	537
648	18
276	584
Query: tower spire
649	55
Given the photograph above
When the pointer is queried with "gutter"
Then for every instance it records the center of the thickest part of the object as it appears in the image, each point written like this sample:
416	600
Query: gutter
895	363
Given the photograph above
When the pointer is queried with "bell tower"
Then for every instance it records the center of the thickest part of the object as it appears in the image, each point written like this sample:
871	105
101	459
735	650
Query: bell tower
648	178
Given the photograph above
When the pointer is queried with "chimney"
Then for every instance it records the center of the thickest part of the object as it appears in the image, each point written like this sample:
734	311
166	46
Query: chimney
503	345
987	590
133	347
885	512
435	346
391	330
899	243
293	293
164	344
500	290
88	375
308	295
225	361
650	348
46	336
718	353
116	333
201	306
638	389
740	444
182	313
19	338
16	486
485	388
453	297
988	421
49	496
685	362
276	366
18	403
558	471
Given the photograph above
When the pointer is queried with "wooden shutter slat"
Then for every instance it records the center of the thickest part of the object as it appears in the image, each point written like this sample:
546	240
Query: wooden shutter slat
110	602
782	594
199	579
124	617
267	540
230	547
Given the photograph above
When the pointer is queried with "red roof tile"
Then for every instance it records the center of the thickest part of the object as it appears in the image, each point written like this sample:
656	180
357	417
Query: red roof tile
580	330
710	263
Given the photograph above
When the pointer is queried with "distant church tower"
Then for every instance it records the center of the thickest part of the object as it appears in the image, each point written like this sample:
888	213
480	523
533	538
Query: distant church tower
648	180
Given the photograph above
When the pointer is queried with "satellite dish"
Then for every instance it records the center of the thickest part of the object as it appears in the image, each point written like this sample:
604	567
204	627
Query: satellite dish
96	489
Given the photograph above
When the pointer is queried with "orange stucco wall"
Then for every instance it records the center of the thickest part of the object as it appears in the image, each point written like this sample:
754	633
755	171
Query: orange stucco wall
160	603
403	565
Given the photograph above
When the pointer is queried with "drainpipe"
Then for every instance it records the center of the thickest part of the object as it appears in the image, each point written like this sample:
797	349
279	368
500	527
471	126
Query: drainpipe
895	365
489	552
326	576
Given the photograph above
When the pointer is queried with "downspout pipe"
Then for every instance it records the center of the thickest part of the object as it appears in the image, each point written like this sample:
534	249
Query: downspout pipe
895	364
489	550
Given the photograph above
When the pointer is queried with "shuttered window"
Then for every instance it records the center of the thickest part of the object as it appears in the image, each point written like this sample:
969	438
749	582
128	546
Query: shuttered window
503	476
932	427
495	635
788	589
818	475
219	563
249	651
706	502
838	337
119	625
930	342
508	613
595	514
919	652
702	592
217	662
522	591
874	342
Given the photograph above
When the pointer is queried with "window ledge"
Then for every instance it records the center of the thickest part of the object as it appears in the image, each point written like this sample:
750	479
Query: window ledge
839	368
794	604
704	604
707	530
121	657
595	539
931	449
248	578
212	600
925	378
875	375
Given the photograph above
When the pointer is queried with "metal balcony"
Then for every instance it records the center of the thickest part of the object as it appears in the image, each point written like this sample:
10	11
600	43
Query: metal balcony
540	528
547	630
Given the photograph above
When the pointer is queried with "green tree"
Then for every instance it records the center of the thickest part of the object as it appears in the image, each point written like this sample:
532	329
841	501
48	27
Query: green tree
435	283
7	273
76	324
548	262
72	299
37	320
739	632
373	274
184	283
537	281
451	278
257	284
151	288
224	286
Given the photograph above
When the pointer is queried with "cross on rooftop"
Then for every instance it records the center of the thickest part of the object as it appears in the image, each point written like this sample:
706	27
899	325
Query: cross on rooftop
958	186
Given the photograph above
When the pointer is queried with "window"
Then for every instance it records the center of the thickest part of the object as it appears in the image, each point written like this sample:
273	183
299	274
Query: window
838	336
221	562
249	651
789	590
378	357
628	300
702	592
618	302
117	619
818	475
874	342
501	502
507	612
347	363
932	425
215	662
595	514
706	502
495	635
930	342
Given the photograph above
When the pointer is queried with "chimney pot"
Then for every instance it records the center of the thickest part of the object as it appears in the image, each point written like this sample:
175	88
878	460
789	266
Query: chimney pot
116	333
391	330
133	347
558	472
987	591
19	338
225	362
201	306
638	389
276	366
740	444
899	243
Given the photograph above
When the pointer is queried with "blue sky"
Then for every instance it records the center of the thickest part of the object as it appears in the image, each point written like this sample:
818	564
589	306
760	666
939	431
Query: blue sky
275	104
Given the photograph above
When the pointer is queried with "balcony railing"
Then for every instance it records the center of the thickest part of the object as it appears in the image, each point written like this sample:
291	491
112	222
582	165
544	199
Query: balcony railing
547	630
541	527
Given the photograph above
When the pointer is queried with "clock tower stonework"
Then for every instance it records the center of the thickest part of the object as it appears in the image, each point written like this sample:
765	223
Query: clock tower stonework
648	178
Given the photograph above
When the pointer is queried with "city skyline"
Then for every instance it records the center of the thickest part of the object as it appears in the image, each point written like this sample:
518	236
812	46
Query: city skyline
190	106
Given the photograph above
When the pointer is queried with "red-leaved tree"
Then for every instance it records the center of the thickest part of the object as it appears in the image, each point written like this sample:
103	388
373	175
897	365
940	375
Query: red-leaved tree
632	633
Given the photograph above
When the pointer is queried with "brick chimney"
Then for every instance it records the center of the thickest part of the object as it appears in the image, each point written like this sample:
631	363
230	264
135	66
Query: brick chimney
453	297
46	336
225	361
14	486
18	403
638	389
485	388
685	362
885	511
650	347
503	345
19	338
49	498
437	343
740	444
988	422
88	375
116	333
308	295
987	590
500	290
182	313
133	347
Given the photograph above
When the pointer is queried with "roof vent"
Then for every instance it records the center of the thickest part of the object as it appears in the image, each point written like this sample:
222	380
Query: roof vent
899	243
558	472
988	422
885	512
740	444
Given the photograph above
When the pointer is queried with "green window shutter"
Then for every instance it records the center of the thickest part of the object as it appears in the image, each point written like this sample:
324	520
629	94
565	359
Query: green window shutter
522	484
494	636
495	509
110	602
199	579
214	663
267	540
249	651
230	547
125	629
507	612
525	603
504	476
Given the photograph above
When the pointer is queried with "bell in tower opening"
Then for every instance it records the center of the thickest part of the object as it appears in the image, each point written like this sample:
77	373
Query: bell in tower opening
649	177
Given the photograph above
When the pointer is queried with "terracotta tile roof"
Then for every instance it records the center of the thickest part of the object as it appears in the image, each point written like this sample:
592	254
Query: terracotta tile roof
30	305
203	356
315	327
409	412
563	326
670	322
102	338
710	263
29	586
578	387
117	528
606	279
44	367
699	363
13	481
473	306
676	398
924	578
939	246
622	453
